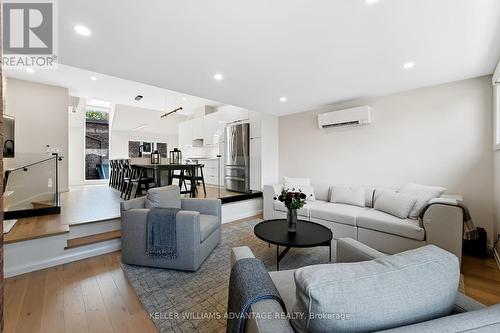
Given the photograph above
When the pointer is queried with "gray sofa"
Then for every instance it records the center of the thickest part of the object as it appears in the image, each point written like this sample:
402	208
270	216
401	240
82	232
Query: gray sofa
442	224
413	291
198	232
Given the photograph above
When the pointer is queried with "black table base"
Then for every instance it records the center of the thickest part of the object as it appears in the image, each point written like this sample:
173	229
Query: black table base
308	234
280	256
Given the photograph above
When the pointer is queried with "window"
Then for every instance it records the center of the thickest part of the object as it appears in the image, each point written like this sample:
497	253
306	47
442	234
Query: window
96	143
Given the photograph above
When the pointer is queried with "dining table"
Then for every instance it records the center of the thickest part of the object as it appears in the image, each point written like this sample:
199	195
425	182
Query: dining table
163	173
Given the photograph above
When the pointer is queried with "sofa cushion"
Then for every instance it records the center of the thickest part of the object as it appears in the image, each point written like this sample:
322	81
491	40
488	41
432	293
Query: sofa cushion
376	220
280	206
164	197
348	195
340	213
304	211
397	204
208	224
423	193
393	291
296	181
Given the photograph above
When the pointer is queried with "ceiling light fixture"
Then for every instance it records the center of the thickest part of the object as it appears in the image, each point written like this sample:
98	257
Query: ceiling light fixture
283	99
409	65
171	112
93	78
218	77
82	30
30	70
184	98
139	127
138	98
371	1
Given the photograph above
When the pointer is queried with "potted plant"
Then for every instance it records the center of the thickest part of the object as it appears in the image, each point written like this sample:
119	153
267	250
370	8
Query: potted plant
293	200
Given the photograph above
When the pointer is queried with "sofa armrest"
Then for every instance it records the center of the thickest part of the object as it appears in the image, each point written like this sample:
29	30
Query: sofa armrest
269	192
240	252
464	303
204	206
133	204
443	224
350	250
268	314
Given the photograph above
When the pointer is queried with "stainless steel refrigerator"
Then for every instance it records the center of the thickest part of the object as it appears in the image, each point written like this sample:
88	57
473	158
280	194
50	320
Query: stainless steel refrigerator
237	158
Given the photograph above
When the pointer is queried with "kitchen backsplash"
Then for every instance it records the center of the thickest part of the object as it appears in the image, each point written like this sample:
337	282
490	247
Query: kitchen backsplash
193	152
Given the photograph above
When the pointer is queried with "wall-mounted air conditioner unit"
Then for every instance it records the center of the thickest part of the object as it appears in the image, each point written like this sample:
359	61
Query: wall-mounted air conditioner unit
361	115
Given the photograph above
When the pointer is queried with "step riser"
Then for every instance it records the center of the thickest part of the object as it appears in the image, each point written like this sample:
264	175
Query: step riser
89	229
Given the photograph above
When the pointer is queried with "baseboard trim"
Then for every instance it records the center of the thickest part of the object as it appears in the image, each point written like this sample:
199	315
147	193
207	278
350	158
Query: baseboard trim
77	254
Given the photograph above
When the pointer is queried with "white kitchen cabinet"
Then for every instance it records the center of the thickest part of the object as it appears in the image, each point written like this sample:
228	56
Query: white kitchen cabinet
197	128
211	131
255	164
231	114
185	134
255	124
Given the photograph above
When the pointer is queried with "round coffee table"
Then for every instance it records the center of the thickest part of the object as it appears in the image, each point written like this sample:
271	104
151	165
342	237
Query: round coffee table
308	234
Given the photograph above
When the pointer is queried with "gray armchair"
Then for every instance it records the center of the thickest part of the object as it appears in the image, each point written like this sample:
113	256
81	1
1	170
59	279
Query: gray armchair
198	232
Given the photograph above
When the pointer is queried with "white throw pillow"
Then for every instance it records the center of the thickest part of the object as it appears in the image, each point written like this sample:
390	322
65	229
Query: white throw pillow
306	189
296	181
423	194
397	204
348	195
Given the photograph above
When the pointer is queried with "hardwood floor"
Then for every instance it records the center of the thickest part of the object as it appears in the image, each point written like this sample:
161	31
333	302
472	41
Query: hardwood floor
482	279
91	295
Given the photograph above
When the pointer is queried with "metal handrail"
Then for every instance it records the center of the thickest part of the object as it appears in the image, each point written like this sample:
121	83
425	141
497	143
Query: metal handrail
55	156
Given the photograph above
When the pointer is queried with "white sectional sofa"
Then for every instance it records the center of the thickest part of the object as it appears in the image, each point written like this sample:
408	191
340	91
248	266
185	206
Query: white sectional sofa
441	225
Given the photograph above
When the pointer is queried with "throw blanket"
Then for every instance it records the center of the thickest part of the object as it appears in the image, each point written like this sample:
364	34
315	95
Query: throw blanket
470	231
161	239
249	283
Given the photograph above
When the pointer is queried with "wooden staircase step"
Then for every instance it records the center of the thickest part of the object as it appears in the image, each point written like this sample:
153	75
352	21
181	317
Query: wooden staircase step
92	239
43	204
35	227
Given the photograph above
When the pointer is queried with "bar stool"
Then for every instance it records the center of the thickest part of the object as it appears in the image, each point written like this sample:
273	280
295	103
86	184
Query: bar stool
197	178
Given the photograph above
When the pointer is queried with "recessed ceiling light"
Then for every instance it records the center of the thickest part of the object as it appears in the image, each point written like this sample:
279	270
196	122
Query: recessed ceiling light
371	1
93	78
282	99
184	98
218	77
409	65
30	70
82	30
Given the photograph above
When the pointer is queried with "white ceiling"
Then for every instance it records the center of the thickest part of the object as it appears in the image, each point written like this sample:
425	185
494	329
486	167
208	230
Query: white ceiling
313	52
127	118
112	89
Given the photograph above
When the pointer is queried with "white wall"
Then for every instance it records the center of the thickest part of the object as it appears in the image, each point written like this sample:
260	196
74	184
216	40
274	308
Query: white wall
77	144
437	135
41	113
270	149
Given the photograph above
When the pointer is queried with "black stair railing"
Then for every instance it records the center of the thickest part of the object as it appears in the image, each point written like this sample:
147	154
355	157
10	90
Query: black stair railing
25	168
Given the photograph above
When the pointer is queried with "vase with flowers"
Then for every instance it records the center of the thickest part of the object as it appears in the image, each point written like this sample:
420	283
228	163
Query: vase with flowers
293	200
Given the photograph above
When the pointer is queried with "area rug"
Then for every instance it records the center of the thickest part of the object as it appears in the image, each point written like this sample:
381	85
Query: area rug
196	301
